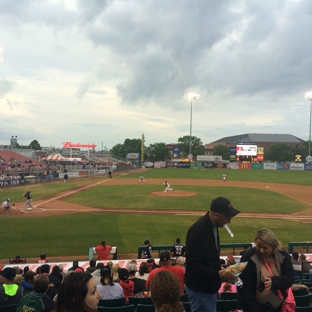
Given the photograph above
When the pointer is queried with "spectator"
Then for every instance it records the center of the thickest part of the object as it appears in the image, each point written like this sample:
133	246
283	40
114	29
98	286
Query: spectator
107	287
75	266
115	270
102	251
165	261
139	284
225	286
56	272
203	274
152	264
54	282
295	258
92	266
43	258
302	257
180	261
10	293
126	284
165	292
144	271
37	300
28	281
78	293
268	270
178	249
97	273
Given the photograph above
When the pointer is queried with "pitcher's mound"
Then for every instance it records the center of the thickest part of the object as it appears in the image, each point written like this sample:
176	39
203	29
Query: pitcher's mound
174	193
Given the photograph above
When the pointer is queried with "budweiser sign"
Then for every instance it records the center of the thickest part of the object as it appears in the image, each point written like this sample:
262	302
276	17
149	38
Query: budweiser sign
77	145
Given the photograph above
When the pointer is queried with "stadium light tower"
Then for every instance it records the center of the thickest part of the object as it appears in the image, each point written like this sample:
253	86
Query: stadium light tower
191	96
308	96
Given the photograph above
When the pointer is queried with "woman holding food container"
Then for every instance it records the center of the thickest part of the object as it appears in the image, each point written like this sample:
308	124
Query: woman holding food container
268	274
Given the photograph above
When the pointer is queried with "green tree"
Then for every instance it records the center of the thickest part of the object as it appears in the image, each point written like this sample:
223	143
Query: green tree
34	145
158	151
196	144
129	146
280	152
221	150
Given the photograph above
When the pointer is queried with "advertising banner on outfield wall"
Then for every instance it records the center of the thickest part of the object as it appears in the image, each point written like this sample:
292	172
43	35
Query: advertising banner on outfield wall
70	174
244	165
133	156
307	166
176	151
148	164
184	165
100	171
83	173
160	164
232	165
208	158
172	164
283	166
256	165
269	166
295	166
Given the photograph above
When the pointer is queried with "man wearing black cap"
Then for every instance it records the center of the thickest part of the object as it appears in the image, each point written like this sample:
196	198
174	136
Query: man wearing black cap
203	274
102	250
10	293
54	282
165	261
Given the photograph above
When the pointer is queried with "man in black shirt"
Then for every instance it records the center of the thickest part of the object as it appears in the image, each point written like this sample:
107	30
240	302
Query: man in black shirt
178	250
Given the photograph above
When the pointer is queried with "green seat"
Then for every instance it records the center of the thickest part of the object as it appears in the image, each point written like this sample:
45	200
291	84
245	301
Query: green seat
145	308
187	306
303	301
300	292
140	300
228	295
128	308
228	305
304	309
9	308
118	302
184	298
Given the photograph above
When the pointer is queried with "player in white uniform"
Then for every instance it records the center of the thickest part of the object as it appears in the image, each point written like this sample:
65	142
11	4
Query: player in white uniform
141	179
6	204
224	177
168	188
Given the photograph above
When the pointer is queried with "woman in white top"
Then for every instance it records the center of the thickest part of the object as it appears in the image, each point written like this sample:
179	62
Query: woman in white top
143	271
107	288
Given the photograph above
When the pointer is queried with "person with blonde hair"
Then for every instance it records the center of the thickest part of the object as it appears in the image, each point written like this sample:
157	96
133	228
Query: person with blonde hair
165	292
268	271
115	268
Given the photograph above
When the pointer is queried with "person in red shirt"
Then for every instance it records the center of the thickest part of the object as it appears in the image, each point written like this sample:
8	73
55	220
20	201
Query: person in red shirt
102	251
126	284
165	260
43	258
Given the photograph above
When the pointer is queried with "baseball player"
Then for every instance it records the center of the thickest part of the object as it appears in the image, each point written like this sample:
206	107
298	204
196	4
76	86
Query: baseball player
6	204
168	188
28	200
224	177
142	179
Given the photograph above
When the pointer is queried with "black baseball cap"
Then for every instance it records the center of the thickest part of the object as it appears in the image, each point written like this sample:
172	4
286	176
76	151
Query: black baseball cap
223	205
164	256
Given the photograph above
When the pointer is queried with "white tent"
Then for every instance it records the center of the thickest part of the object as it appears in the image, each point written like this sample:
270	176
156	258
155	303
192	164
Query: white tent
56	157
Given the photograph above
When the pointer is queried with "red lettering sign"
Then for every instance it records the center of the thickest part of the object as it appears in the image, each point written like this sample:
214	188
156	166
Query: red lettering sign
77	145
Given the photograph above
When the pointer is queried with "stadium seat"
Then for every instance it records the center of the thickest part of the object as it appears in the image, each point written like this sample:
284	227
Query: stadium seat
140	300
187	306
145	308
228	295
303	301
228	305
304	309
128	308
118	302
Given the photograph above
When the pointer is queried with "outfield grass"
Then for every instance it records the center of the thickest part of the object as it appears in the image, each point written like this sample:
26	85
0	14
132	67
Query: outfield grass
72	235
138	197
272	176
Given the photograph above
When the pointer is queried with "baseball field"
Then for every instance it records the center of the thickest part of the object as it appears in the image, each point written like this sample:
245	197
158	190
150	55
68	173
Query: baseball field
67	219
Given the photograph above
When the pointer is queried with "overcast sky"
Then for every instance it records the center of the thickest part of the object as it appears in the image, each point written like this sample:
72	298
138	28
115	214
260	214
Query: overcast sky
93	71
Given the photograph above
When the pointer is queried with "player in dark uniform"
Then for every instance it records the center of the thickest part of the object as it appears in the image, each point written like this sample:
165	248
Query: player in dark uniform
28	201
178	250
147	252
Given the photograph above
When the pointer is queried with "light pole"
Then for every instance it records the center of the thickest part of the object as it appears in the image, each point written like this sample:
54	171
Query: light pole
191	96
308	96
102	147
